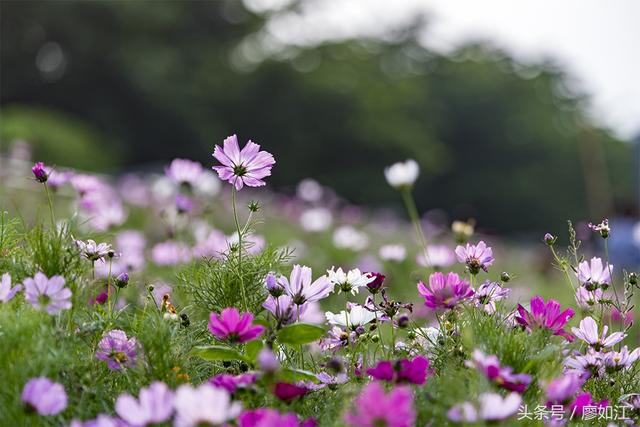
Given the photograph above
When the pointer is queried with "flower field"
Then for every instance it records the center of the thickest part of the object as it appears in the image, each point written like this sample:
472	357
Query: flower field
196	297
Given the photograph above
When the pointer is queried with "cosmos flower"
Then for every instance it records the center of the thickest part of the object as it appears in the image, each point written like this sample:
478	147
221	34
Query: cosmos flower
476	257
502	376
327	380
403	371
6	291
246	167
375	285
437	257
101	420
40	172
488	294
184	172
267	360
588	332
594	274
288	392
349	237
603	228
170	253
47	294
444	291
588	299
402	174
300	288
267	417
232	383
615	360
394	253
336	338
230	325
492	407
204	405
561	390
586	365
44	396
316	219
350	281
93	251
117	350
356	316
545	315
154	406
583	401
373	407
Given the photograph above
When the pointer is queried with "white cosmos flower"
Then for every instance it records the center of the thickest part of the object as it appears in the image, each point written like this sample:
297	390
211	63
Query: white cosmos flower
402	174
348	237
356	316
394	252
351	281
588	332
316	219
204	405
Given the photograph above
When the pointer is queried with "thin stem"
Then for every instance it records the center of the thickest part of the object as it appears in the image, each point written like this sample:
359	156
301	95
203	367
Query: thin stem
53	218
109	287
412	210
562	265
606	255
240	232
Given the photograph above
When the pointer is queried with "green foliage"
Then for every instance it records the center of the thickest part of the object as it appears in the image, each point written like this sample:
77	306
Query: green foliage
217	353
300	333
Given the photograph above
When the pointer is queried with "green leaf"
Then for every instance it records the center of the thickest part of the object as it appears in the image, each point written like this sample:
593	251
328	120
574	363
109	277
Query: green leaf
216	352
300	333
293	375
252	349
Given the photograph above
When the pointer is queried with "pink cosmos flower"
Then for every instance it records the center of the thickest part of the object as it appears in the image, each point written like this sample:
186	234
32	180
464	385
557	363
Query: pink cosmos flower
267	417
616	360
373	407
117	350
44	396
184	172
40	172
170	253
246	167
603	228
154	406
588	332
501	376
476	257
6	291
594	274
583	400
232	383
444	291
436	257
586	365
488	294
545	315
561	390
403	371
233	327
93	251
300	288
288	392
47	294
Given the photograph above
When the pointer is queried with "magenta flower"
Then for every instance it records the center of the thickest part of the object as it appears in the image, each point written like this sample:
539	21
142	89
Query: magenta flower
246	167
44	396
444	291
594	274
6	291
267	417
40	172
288	392
184	172
117	350
403	371
232	383
501	376
376	284
476	257
47	294
373	407
561	390
154	406
233	327
545	315
588	332
583	400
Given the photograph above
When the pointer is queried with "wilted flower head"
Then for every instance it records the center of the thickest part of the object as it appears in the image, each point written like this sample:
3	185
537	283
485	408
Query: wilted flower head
588	332
154	406
403	371
40	172
44	396
117	350
602	228
476	257
561	390
373	407
93	251
488	294
444	291
184	172
402	174
545	315
47	294
356	316
350	281
229	325
6	291
501	376
594	274
437	257
204	405
300	288
246	167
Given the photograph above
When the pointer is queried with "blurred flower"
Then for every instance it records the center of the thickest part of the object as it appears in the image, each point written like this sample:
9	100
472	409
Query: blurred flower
437	257
561	390
267	417
283	308
93	251
246	167
309	190
347	237
154	406
402	174
587	299
545	315
288	392
396	253
463	230
602	228
208	184
350	281
373	407
117	350
488	294
327	380
183	203
6	291
588	332
213	246
39	172
316	219
492	408
184	172
267	360
501	376
229	325
476	257
300	288
403	371
44	396
231	383
584	402
100	421
356	316
170	253
204	405
444	291
122	280
48	294
593	275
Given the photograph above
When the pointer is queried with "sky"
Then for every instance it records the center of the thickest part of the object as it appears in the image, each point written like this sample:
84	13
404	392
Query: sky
596	41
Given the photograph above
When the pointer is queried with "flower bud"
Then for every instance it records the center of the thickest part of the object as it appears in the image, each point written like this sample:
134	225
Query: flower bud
505	277
39	172
273	287
549	239
253	206
403	321
633	278
122	280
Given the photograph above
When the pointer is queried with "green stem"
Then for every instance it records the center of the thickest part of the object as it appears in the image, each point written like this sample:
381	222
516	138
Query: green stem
240	232
562	265
412	210
53	218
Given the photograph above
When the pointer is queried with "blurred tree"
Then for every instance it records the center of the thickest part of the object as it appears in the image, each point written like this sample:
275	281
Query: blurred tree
495	139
